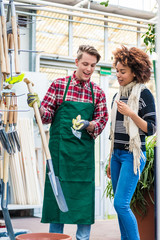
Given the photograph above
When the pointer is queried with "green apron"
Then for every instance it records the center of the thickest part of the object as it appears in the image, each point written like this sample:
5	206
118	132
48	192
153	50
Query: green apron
73	161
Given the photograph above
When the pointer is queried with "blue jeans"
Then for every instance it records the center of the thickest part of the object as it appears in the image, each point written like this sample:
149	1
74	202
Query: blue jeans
83	231
124	183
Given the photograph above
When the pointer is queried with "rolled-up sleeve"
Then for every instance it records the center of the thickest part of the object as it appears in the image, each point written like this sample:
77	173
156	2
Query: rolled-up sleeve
49	105
148	111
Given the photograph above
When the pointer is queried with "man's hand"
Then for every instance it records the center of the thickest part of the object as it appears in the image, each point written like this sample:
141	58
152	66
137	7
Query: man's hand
32	98
79	124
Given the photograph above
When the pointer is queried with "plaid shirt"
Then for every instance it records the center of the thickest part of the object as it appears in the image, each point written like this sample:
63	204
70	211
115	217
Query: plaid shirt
78	91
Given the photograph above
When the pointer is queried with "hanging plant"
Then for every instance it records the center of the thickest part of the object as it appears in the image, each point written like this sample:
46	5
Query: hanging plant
149	38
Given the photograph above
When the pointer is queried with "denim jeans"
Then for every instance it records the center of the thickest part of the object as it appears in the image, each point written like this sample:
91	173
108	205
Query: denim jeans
124	183
83	231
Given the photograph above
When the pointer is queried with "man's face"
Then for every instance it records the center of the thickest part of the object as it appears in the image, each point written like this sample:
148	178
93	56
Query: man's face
85	66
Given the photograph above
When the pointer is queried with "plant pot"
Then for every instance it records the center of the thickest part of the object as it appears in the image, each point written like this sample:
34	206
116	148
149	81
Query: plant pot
146	224
43	236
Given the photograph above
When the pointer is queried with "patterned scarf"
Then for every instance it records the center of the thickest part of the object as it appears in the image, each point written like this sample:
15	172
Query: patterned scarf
132	91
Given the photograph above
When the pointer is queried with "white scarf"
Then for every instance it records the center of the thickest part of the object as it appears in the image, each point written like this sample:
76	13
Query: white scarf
133	90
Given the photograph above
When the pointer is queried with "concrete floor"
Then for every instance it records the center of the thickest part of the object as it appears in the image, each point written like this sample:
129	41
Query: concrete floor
102	229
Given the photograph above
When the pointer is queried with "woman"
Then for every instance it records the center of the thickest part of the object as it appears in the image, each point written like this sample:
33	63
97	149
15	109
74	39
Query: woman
132	118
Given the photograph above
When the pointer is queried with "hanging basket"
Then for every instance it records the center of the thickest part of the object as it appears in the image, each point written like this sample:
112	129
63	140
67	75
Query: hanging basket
43	236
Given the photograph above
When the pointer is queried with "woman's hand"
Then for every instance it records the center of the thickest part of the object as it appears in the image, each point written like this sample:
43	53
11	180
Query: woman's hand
123	108
109	171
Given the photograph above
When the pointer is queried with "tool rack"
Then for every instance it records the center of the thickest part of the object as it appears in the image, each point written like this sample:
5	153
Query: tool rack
9	140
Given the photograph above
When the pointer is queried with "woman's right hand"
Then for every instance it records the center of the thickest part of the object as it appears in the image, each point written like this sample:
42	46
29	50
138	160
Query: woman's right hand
109	171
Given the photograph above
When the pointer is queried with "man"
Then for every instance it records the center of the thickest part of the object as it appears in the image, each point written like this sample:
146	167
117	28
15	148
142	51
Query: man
76	109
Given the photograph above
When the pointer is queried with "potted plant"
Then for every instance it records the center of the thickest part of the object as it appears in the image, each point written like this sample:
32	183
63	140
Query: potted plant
142	203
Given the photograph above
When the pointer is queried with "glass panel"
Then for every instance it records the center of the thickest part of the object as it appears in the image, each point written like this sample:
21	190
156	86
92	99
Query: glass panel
52	34
118	37
53	73
89	34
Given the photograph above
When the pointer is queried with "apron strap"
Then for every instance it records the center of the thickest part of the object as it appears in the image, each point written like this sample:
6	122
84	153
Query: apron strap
92	93
68	87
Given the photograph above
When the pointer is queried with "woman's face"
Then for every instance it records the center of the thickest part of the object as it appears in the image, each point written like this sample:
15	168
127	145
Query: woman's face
124	74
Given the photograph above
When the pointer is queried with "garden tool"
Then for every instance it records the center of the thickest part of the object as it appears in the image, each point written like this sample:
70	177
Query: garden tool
4	33
3	62
3	136
10	132
6	216
9	36
19	45
4	201
15	36
18	77
15	115
56	187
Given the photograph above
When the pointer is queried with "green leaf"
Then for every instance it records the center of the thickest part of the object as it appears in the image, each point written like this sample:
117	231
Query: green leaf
105	3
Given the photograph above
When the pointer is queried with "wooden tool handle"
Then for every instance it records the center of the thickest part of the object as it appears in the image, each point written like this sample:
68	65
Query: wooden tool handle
19	44
8	40
10	114
2	107
15	39
4	32
11	41
39	121
3	63
5	173
15	115
5	115
7	99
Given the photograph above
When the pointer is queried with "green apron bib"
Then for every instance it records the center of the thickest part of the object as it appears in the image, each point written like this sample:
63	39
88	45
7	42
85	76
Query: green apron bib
73	161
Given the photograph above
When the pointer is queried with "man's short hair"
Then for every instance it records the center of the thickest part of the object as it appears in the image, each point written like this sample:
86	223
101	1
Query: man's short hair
88	49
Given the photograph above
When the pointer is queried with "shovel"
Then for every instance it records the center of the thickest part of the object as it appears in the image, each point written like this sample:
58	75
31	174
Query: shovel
57	190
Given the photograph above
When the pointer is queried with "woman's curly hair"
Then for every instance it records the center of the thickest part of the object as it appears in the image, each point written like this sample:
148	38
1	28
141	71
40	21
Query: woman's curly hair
137	60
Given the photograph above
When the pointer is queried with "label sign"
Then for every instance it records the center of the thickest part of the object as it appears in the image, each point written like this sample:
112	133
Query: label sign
105	71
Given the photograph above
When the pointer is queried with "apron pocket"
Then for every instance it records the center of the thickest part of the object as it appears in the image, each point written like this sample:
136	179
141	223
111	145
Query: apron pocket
76	161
